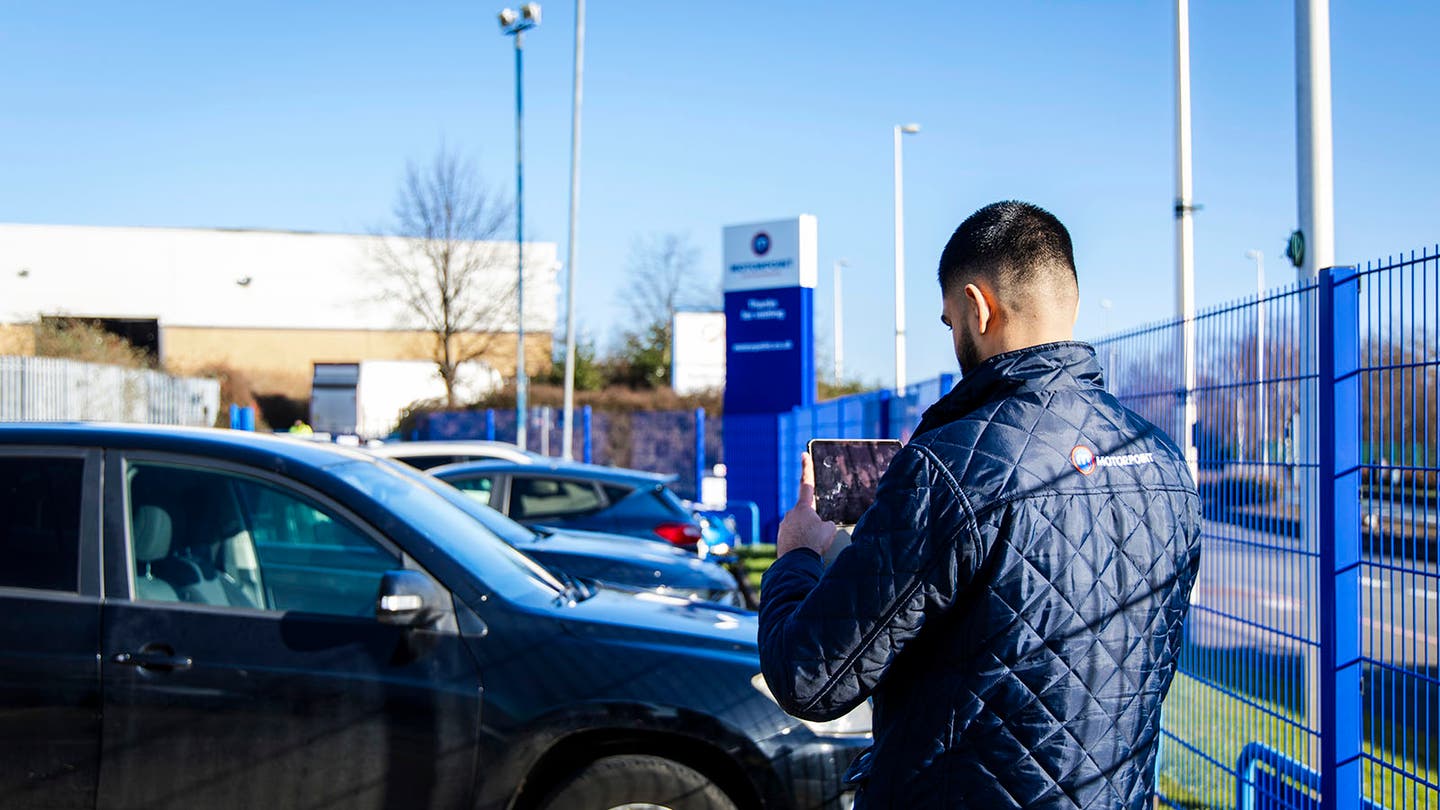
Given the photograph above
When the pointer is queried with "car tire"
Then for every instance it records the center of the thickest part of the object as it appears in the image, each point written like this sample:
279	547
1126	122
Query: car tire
637	781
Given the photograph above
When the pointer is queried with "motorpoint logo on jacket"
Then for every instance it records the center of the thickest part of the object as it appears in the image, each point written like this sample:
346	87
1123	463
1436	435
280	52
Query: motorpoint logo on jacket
1083	458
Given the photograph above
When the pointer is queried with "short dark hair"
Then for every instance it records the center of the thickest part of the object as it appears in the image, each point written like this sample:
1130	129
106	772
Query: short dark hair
1017	247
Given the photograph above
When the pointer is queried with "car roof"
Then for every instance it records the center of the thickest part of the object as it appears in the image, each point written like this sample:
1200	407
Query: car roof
573	469
504	450
256	448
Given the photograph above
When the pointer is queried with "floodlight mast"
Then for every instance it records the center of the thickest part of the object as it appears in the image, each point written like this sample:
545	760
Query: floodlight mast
515	25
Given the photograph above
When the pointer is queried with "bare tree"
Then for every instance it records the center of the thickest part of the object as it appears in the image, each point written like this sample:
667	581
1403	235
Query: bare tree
438	260
662	280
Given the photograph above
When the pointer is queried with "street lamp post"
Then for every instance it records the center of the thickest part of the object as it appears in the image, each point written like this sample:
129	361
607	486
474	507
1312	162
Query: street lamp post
1185	234
900	129
515	25
839	328
567	437
1262	422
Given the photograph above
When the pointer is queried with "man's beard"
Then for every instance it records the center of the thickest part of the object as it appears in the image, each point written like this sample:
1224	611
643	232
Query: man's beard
967	352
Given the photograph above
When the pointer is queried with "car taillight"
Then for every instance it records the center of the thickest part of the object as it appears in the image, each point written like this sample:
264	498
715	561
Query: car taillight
679	534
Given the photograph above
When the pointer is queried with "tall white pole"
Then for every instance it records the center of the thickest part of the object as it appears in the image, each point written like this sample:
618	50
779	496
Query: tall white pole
839	326
1185	230
567	440
899	267
1315	147
1315	173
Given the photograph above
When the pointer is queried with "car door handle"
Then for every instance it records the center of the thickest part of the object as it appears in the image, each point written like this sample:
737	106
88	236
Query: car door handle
156	660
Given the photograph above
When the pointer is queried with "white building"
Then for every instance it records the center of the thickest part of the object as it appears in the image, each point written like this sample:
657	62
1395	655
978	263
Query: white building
268	303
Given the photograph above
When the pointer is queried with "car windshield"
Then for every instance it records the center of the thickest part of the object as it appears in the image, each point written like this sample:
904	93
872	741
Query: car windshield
439	512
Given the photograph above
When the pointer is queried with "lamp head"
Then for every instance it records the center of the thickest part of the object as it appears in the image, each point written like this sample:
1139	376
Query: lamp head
1253	254
508	17
531	13
910	129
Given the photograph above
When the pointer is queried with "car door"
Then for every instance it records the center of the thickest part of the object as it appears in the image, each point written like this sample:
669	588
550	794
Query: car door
49	627
243	664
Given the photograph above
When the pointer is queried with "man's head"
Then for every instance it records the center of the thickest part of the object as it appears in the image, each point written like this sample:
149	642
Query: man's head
1008	281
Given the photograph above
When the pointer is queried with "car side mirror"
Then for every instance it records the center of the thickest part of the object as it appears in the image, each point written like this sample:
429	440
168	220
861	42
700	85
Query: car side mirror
408	599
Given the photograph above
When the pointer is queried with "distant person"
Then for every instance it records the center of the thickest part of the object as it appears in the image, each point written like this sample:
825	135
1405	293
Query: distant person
1013	600
301	429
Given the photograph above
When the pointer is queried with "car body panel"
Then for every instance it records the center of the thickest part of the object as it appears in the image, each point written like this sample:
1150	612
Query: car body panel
424	455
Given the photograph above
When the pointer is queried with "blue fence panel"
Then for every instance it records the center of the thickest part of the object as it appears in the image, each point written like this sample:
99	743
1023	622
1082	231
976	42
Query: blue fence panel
1250	664
1398	611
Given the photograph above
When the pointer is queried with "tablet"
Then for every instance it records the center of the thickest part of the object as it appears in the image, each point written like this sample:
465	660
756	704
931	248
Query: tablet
847	473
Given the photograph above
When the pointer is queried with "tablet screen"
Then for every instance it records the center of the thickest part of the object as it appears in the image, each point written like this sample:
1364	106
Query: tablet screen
847	473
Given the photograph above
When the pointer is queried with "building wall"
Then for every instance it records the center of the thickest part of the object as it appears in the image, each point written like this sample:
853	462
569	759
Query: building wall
18	339
279	361
268	303
242	279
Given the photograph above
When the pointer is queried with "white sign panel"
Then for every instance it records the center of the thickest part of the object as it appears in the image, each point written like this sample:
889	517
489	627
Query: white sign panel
698	352
767	255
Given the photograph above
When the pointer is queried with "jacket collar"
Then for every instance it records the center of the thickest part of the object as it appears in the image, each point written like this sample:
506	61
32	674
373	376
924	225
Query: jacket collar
1048	366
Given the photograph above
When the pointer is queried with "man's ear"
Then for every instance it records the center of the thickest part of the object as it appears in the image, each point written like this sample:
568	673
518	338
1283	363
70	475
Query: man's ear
980	305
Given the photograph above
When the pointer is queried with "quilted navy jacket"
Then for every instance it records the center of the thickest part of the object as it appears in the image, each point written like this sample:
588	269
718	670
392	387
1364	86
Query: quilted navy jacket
1012	602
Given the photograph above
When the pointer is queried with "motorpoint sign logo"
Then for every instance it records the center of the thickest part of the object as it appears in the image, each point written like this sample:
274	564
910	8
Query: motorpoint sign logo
1084	459
760	244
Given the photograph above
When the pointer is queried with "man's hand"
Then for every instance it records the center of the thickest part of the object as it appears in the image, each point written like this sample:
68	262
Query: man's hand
802	527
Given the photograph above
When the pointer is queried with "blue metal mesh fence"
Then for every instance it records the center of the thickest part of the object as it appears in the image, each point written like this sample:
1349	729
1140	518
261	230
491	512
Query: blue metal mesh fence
1252	637
655	441
1398	617
1310	657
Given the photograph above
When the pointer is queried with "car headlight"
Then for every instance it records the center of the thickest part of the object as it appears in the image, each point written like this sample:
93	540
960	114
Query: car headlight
854	724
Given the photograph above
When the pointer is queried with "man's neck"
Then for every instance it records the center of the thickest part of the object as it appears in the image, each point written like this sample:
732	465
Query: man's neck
1015	340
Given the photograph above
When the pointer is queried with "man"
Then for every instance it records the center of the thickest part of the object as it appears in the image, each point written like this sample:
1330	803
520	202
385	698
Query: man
1013	600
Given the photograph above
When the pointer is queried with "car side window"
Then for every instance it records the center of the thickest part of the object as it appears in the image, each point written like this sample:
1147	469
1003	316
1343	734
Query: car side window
478	488
541	498
40	522
616	493
225	539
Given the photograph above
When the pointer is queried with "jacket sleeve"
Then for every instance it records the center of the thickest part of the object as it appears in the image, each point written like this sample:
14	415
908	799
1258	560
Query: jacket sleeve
828	636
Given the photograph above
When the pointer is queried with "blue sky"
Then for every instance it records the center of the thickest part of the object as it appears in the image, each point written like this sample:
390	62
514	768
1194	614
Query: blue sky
697	115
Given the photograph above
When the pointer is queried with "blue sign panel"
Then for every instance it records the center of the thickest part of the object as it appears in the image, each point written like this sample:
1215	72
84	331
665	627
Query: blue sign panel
769	351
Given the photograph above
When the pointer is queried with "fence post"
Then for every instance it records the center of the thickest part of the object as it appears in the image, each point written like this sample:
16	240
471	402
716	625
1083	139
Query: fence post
489	424
885	397
699	455
585	424
1341	729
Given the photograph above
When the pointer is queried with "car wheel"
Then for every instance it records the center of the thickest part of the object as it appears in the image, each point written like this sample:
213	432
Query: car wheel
637	782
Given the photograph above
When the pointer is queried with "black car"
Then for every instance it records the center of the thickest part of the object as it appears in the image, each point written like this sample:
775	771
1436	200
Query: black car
200	618
580	496
612	561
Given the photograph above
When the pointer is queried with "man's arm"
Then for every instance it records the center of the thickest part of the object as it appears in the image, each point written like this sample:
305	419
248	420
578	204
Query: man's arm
827	636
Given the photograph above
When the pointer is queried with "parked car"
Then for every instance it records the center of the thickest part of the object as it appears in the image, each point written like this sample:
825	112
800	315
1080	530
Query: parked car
612	561
427	454
568	495
203	618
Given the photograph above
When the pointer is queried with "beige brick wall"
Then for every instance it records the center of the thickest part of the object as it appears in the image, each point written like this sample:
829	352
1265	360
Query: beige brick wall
278	361
20	339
